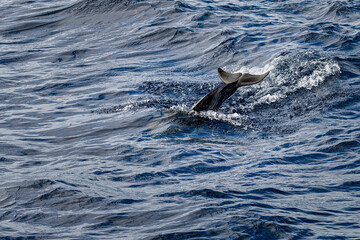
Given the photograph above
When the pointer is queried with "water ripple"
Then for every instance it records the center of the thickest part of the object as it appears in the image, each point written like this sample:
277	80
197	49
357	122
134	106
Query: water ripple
98	139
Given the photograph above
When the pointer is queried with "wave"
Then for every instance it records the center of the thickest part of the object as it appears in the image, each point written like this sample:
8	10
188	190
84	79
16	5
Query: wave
99	139
336	9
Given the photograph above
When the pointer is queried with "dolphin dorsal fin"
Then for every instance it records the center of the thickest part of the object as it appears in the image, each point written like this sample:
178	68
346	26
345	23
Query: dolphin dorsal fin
228	77
248	79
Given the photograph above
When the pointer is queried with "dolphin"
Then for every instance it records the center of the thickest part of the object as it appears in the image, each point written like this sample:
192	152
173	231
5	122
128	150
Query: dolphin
214	99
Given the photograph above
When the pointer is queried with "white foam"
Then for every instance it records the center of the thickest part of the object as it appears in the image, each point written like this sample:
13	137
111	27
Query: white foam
319	75
255	70
271	98
233	118
290	73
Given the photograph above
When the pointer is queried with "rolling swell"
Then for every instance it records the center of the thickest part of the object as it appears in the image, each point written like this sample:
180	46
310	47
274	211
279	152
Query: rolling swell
98	139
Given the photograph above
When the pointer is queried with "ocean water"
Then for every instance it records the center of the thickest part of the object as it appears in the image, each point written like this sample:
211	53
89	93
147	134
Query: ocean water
98	140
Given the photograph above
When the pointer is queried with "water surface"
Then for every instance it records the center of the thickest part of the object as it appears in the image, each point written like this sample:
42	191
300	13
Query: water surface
98	140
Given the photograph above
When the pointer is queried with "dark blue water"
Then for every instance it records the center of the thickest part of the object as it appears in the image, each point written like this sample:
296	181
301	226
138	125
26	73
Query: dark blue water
98	140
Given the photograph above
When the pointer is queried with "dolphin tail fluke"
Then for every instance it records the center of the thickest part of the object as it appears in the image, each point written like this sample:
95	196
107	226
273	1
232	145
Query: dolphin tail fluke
214	99
243	79
228	77
248	79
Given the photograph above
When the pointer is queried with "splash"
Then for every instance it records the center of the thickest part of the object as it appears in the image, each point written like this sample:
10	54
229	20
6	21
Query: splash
235	119
295	80
289	74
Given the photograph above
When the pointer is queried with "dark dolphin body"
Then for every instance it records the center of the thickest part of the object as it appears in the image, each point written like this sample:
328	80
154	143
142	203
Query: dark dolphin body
233	81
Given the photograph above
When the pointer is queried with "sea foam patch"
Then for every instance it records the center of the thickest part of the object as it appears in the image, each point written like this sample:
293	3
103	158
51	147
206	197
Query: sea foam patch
289	74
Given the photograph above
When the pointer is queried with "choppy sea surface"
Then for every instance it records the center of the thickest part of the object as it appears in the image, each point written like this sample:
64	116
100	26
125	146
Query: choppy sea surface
98	140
